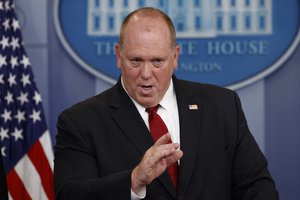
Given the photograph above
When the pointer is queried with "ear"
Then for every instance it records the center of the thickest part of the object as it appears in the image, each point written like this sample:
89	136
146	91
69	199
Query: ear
118	56
176	55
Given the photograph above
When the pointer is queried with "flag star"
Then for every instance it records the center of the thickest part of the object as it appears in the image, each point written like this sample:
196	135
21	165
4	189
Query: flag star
3	152
15	24
35	115
2	61
25	80
17	134
6	115
15	43
9	98
1	6
12	80
3	133
23	98
20	116
6	24
37	97
14	62
25	61
1	79
7	7
4	42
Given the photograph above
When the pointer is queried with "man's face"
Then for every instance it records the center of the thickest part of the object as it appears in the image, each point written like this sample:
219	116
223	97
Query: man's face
147	60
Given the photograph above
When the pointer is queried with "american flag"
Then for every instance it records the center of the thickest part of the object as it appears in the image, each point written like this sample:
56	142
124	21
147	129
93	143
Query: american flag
25	141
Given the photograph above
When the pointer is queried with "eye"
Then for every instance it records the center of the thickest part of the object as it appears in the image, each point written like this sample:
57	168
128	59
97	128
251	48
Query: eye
158	62
135	62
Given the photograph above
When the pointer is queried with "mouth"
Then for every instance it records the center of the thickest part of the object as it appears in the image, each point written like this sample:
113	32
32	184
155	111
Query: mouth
147	87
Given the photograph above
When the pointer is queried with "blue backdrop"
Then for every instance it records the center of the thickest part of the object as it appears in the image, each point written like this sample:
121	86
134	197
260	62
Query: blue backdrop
271	105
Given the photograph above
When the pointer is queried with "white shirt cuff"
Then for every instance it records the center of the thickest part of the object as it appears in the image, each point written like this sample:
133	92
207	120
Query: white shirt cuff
140	195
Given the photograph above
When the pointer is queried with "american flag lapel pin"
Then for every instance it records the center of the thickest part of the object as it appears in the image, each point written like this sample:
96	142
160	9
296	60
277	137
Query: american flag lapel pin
193	107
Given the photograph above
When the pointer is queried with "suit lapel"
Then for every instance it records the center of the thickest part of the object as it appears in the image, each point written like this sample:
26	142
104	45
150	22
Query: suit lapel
190	120
130	122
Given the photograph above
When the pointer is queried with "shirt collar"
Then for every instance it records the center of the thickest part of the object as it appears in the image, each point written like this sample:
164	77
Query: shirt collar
169	98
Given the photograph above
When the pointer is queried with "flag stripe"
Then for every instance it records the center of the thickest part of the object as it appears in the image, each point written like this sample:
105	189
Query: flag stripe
25	141
9	196
31	179
16	187
40	161
45	141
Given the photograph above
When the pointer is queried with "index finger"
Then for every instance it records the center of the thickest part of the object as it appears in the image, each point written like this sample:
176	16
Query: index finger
163	139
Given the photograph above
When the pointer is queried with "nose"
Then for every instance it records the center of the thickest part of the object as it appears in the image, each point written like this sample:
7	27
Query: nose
146	72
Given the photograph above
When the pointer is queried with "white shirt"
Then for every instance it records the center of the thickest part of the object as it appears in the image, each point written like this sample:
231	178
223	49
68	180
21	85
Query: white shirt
168	111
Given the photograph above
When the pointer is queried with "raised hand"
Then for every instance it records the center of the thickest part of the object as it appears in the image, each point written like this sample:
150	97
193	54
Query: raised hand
155	161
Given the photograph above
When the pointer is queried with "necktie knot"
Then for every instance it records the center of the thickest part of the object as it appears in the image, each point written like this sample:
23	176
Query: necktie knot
151	111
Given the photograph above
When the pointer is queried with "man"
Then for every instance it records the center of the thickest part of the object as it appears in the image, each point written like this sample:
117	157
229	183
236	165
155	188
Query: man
106	147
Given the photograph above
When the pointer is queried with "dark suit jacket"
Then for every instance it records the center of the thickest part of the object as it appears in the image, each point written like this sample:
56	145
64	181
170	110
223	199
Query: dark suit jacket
102	139
3	187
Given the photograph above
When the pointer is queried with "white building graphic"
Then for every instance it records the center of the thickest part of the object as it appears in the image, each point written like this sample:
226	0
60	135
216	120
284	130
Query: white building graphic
191	18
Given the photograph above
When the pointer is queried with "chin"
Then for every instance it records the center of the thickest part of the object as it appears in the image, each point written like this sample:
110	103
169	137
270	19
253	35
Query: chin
146	103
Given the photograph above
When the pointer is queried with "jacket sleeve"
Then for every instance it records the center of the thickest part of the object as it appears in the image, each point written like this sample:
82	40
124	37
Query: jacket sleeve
3	186
76	173
251	179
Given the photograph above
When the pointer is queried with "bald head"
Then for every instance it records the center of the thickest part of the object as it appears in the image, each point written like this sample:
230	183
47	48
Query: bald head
151	13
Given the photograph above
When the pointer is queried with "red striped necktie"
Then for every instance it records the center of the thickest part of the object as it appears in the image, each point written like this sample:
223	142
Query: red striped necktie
157	129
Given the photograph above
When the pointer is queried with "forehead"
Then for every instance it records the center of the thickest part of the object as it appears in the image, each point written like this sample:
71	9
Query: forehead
146	29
